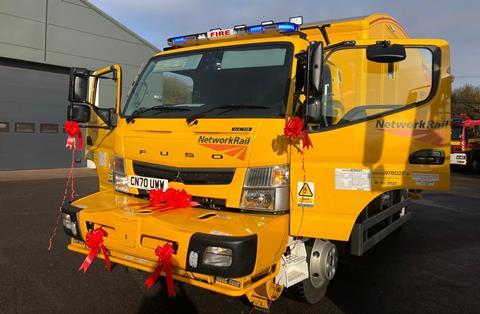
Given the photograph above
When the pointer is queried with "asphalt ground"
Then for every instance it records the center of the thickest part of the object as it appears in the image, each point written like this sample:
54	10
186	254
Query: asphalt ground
430	265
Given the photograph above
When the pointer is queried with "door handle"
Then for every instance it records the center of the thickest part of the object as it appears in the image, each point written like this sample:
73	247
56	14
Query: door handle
427	157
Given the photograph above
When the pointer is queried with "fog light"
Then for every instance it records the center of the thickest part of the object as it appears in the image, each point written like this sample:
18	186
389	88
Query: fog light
69	224
217	256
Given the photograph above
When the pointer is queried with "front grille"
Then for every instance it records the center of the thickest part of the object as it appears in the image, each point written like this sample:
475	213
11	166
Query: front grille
185	175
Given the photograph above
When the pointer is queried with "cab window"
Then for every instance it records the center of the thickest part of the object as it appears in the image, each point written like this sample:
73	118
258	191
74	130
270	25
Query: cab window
356	88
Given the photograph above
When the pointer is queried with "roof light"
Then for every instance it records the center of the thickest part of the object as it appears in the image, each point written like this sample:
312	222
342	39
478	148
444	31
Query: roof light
287	27
255	29
266	27
296	20
240	27
178	40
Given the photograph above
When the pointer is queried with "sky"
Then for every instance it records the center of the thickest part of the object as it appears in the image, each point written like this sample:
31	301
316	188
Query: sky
457	21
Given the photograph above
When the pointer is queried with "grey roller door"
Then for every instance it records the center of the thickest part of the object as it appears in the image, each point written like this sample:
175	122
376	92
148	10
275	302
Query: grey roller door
33	102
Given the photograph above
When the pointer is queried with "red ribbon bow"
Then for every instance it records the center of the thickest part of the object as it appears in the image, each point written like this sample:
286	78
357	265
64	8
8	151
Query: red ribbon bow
170	199
164	254
73	130
94	242
294	131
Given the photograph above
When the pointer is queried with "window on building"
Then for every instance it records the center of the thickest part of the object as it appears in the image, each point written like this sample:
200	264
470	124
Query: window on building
24	127
48	128
4	127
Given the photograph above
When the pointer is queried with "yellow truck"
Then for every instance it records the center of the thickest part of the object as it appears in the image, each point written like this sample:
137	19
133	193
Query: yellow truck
208	115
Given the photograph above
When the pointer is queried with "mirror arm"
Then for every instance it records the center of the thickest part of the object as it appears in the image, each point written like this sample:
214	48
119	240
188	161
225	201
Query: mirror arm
323	30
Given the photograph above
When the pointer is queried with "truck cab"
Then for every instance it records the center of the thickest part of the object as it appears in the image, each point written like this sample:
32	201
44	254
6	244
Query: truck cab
465	143
208	116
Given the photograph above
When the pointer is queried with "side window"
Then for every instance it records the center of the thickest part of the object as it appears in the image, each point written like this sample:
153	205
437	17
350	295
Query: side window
477	131
361	88
106	92
4	127
469	134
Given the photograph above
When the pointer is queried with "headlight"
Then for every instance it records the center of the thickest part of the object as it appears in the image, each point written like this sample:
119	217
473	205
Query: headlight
261	199
267	189
119	177
217	256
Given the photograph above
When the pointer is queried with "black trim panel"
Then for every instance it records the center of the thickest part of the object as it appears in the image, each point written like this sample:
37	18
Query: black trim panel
185	175
244	254
73	212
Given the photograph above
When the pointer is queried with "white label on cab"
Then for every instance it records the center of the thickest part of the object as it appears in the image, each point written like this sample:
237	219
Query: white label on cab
353	179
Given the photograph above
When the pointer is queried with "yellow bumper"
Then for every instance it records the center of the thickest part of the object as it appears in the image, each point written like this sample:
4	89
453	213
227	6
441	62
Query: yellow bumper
134	232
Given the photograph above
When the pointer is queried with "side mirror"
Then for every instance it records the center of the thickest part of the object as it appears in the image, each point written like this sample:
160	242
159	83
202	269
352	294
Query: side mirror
78	113
384	52
315	65
78	88
109	116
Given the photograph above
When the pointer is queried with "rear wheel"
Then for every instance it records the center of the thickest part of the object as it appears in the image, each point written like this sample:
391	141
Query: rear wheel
475	166
322	259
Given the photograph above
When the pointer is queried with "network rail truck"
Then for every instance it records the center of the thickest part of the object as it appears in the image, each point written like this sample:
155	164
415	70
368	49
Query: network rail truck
465	143
208	114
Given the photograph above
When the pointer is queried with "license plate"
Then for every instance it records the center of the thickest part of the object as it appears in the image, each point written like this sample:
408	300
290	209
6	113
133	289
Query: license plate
147	183
458	159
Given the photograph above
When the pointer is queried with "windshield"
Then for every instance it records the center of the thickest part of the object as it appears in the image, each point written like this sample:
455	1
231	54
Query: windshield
255	78
457	132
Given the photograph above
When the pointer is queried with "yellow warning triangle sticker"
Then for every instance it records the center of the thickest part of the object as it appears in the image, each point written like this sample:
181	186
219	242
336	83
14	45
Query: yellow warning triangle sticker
305	191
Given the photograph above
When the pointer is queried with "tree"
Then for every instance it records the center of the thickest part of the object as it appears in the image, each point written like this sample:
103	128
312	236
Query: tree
466	99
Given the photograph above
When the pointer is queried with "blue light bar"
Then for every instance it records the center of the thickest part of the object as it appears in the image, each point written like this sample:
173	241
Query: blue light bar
178	40
283	27
287	27
255	29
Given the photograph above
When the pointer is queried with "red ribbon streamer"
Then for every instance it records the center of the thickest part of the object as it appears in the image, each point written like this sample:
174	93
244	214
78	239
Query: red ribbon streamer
94	241
170	199
295	130
164	254
73	130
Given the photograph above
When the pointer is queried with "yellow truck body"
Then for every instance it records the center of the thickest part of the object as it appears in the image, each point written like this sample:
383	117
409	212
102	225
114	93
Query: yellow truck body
376	117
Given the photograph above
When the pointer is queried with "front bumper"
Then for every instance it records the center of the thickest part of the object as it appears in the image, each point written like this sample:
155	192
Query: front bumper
134	232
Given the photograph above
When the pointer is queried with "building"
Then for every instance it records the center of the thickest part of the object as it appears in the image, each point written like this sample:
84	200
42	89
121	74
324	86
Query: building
39	41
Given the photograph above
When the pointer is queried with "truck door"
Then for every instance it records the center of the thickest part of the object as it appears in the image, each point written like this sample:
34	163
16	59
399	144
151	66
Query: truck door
105	93
384	127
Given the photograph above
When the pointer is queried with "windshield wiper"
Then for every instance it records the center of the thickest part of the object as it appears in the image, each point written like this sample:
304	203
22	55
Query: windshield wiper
160	108
226	107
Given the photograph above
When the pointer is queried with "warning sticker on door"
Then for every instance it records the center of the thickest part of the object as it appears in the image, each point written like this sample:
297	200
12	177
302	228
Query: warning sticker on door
305	194
353	179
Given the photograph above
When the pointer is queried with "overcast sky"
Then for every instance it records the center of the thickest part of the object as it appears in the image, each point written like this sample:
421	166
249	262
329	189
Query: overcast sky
457	21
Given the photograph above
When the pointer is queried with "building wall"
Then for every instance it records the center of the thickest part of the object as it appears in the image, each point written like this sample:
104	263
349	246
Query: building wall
39	41
71	33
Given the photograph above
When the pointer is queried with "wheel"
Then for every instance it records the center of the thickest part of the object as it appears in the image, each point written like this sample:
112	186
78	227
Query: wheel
322	260
475	166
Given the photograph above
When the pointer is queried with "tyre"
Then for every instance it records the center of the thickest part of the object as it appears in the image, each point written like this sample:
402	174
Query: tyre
322	260
475	166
